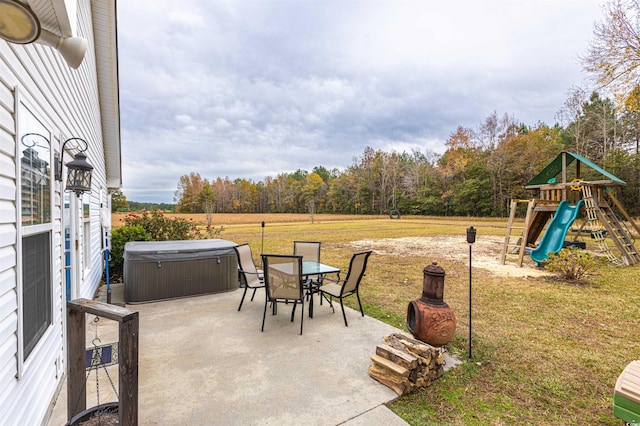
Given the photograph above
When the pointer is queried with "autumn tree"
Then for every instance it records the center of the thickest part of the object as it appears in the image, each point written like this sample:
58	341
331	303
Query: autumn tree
222	190
630	120
119	201
207	198
460	151
188	192
343	195
312	192
614	53
247	195
366	178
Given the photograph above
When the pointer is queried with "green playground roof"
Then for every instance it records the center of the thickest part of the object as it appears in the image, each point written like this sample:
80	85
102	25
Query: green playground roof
554	168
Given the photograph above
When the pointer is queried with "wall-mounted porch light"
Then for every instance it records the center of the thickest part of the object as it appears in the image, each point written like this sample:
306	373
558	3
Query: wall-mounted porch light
79	170
72	49
20	25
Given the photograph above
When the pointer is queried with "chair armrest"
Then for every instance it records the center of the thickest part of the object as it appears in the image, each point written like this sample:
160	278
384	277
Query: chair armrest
259	273
338	281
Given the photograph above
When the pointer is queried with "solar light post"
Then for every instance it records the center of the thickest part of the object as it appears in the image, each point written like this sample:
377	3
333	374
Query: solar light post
471	238
262	246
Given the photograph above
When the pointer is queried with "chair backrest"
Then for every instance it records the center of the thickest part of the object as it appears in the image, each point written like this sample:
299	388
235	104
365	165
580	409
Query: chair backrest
357	267
309	250
283	277
247	268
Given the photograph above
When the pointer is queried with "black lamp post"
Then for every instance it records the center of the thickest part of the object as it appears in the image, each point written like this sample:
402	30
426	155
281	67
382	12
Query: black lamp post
471	238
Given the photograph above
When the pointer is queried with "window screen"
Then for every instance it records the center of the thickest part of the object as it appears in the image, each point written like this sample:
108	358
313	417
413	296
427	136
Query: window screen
36	293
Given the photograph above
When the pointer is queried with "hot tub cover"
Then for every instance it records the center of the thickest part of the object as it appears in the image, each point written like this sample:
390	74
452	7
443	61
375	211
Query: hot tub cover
177	250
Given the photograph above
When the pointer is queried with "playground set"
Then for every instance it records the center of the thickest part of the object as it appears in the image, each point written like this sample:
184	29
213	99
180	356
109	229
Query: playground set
560	194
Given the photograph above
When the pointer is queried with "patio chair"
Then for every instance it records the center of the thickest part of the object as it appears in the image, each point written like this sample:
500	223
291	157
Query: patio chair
283	283
309	250
250	276
350	285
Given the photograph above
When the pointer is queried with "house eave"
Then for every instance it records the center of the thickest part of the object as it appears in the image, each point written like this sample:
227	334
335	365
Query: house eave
106	41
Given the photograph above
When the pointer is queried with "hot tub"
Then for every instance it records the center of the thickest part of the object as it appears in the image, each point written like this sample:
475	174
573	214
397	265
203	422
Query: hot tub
158	270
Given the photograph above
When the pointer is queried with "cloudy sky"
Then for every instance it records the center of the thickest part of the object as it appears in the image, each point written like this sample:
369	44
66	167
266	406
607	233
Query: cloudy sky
255	88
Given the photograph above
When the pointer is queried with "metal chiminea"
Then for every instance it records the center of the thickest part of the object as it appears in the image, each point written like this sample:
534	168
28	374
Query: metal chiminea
429	318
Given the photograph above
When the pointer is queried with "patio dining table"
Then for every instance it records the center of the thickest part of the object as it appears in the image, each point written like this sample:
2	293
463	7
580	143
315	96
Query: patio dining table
317	270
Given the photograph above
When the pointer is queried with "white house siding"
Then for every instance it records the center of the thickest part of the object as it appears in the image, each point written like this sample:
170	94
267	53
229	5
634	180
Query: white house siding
66	101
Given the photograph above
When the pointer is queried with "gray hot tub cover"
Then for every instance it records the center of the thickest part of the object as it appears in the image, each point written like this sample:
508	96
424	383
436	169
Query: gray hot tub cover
177	250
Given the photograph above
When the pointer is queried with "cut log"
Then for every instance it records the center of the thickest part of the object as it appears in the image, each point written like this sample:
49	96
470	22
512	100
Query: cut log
399	384
389	365
421	349
404	359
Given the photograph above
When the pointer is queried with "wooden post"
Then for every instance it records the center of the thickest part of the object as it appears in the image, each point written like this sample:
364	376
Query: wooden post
128	336
76	385
128	358
623	211
564	176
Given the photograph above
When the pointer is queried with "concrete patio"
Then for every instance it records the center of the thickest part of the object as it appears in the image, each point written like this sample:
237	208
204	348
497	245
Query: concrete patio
201	362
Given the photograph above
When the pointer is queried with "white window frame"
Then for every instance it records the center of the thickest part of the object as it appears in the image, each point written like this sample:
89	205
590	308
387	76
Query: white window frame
86	235
24	111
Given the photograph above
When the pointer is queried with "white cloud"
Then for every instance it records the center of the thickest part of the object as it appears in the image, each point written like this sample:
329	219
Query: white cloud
251	89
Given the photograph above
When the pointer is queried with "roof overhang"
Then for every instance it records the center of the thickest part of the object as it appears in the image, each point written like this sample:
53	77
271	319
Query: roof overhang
106	44
555	167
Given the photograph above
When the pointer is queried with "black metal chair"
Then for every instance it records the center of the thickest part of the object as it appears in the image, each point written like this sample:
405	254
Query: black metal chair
250	276
348	286
283	282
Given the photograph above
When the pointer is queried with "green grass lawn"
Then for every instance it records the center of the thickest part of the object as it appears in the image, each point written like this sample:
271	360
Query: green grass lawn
544	352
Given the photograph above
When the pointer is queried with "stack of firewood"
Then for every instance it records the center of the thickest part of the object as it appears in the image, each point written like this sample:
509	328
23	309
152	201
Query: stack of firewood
405	364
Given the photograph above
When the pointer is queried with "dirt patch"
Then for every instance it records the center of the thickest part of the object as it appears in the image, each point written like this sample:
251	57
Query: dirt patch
485	255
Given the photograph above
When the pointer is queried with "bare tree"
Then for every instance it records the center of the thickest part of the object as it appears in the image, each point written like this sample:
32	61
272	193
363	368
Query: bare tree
570	116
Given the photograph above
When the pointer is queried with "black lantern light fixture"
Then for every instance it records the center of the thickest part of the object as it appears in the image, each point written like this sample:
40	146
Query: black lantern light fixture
79	170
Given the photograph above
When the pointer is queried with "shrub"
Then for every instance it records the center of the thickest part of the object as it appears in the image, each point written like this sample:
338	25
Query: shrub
162	228
571	264
152	226
119	237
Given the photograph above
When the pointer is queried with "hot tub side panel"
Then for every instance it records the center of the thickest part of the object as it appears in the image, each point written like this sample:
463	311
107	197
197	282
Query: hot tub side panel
149	280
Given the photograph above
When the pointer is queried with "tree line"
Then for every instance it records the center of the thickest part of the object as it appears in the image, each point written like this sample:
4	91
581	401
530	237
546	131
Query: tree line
481	170
119	203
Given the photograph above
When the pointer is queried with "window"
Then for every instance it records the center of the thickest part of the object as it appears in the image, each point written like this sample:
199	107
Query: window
35	174
35	244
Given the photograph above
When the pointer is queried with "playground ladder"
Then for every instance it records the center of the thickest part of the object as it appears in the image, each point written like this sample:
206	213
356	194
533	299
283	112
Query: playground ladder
518	233
599	217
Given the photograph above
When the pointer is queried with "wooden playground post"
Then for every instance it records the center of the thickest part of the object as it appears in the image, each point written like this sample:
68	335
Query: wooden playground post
623	211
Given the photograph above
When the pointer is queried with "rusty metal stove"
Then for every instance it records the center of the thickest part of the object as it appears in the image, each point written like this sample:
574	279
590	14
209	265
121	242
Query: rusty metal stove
429	318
